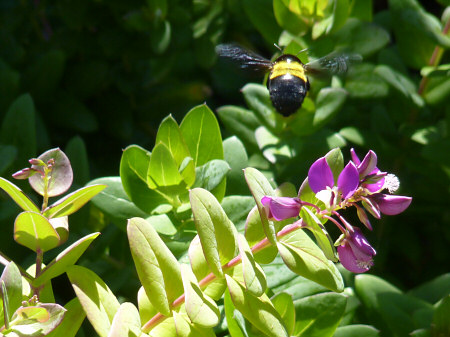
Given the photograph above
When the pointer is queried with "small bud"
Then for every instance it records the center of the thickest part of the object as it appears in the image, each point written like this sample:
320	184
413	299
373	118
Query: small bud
36	162
24	174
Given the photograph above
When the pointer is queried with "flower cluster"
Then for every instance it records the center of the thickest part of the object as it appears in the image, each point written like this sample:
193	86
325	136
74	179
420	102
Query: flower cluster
361	185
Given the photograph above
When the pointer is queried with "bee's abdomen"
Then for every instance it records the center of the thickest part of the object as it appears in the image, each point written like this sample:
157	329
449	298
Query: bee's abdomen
287	93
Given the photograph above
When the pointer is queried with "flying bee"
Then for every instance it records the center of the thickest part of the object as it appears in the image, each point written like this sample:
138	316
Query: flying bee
287	83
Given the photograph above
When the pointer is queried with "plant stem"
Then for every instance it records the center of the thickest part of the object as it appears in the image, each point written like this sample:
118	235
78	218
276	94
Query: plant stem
264	243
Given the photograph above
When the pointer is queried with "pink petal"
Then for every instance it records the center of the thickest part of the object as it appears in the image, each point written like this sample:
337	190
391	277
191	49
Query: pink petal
349	260
281	208
320	176
355	158
391	204
348	180
368	165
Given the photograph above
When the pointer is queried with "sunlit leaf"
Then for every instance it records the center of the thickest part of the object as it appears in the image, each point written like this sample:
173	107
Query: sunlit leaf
18	196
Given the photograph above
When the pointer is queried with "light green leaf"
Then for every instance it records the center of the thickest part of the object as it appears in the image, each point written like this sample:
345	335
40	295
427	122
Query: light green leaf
319	315
254	233
184	328
259	187
170	135
234	318
71	323
12	281
43	318
73	201
66	258
133	172
201	269
320	233
211	174
200	308
146	309
162	169
285	306
164	329
126	322
340	14
304	258
157	268
35	232
18	196
289	20
61	174
61	226
97	300
329	101
258	310
254	278
215	230
335	160
201	133
162	224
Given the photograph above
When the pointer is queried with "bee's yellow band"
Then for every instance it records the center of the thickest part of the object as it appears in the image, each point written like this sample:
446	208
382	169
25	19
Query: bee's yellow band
282	68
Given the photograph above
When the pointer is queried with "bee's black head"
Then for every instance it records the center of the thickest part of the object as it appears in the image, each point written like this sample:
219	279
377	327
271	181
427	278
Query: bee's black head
289	58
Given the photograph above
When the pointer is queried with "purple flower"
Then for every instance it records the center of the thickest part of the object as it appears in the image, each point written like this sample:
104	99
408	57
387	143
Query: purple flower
355	252
320	177
372	178
390	204
281	208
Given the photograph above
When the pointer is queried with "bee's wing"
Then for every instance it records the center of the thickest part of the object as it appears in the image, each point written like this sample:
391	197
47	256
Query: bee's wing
243	57
331	64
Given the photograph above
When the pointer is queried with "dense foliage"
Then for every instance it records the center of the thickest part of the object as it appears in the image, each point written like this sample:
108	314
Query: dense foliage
93	77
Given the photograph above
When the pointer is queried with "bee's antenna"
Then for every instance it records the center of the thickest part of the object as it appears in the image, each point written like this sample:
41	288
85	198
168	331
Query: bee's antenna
278	47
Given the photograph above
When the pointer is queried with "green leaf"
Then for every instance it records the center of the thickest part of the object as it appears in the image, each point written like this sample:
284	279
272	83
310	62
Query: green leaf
77	153
201	133
287	19
433	290
133	172
73	201
258	310
126	322
170	135
319	315
97	300
236	156
273	148
12	281
254	278
157	268
304	258
401	83
162	224
43	318
328	103
365	83
335	160
8	153
233	318
216	232
184	328
387	306
441	324
200	308
240	122
73	318
211	174
146	309
259	187
18	127
61	174
65	259
260	13
416	32
114	202
35	232
285	306
18	196
356	330
237	208
340	14
258	99
320	233
438	93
